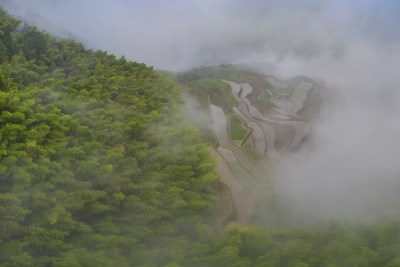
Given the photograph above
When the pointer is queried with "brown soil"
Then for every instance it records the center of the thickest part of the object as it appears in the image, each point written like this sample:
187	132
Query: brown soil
244	204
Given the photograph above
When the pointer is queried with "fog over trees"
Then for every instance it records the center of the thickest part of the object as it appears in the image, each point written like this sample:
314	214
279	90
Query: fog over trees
100	167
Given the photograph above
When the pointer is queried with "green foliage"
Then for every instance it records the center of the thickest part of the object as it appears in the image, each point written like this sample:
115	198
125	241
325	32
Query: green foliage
96	163
237	129
336	244
97	168
206	72
32	43
251	246
251	152
7	27
218	92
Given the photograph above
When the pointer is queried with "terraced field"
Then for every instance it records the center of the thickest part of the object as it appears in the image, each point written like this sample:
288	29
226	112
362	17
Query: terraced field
251	140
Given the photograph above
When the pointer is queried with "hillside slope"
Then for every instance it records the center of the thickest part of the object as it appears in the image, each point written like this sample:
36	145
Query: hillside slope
98	168
96	163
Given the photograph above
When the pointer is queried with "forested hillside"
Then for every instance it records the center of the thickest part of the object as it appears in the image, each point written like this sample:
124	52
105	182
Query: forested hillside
98	168
95	159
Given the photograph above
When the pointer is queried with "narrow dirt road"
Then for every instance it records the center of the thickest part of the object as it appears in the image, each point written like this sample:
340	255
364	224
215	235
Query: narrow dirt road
243	202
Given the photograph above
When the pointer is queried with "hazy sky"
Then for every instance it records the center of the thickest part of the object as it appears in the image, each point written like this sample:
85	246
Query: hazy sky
352	45
179	34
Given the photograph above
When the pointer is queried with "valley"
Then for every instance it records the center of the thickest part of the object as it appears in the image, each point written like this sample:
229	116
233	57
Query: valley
273	127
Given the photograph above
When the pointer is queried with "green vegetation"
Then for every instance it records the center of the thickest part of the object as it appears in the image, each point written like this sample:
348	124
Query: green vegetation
300	94
251	152
264	104
283	91
98	168
206	73
218	91
329	244
198	79
202	92
339	244
261	193
238	130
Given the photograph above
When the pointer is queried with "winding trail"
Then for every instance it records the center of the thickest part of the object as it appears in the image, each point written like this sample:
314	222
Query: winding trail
243	202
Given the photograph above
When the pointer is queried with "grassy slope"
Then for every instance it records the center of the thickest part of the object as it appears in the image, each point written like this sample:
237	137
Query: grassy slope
238	130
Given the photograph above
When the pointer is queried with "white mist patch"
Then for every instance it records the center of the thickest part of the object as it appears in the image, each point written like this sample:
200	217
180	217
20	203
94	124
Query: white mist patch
350	167
180	34
352	170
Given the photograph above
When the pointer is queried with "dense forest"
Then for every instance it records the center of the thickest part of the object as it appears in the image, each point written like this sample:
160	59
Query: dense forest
96	162
99	168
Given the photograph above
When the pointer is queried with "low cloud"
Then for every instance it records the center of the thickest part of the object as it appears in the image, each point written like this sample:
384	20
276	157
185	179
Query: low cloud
181	34
352	169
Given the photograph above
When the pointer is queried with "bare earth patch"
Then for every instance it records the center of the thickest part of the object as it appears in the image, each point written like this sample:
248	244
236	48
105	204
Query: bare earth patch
244	203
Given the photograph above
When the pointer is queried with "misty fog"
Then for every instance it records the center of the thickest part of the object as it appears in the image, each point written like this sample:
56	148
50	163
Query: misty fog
351	167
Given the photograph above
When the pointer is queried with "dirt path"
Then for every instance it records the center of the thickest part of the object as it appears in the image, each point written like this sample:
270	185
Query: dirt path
244	203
